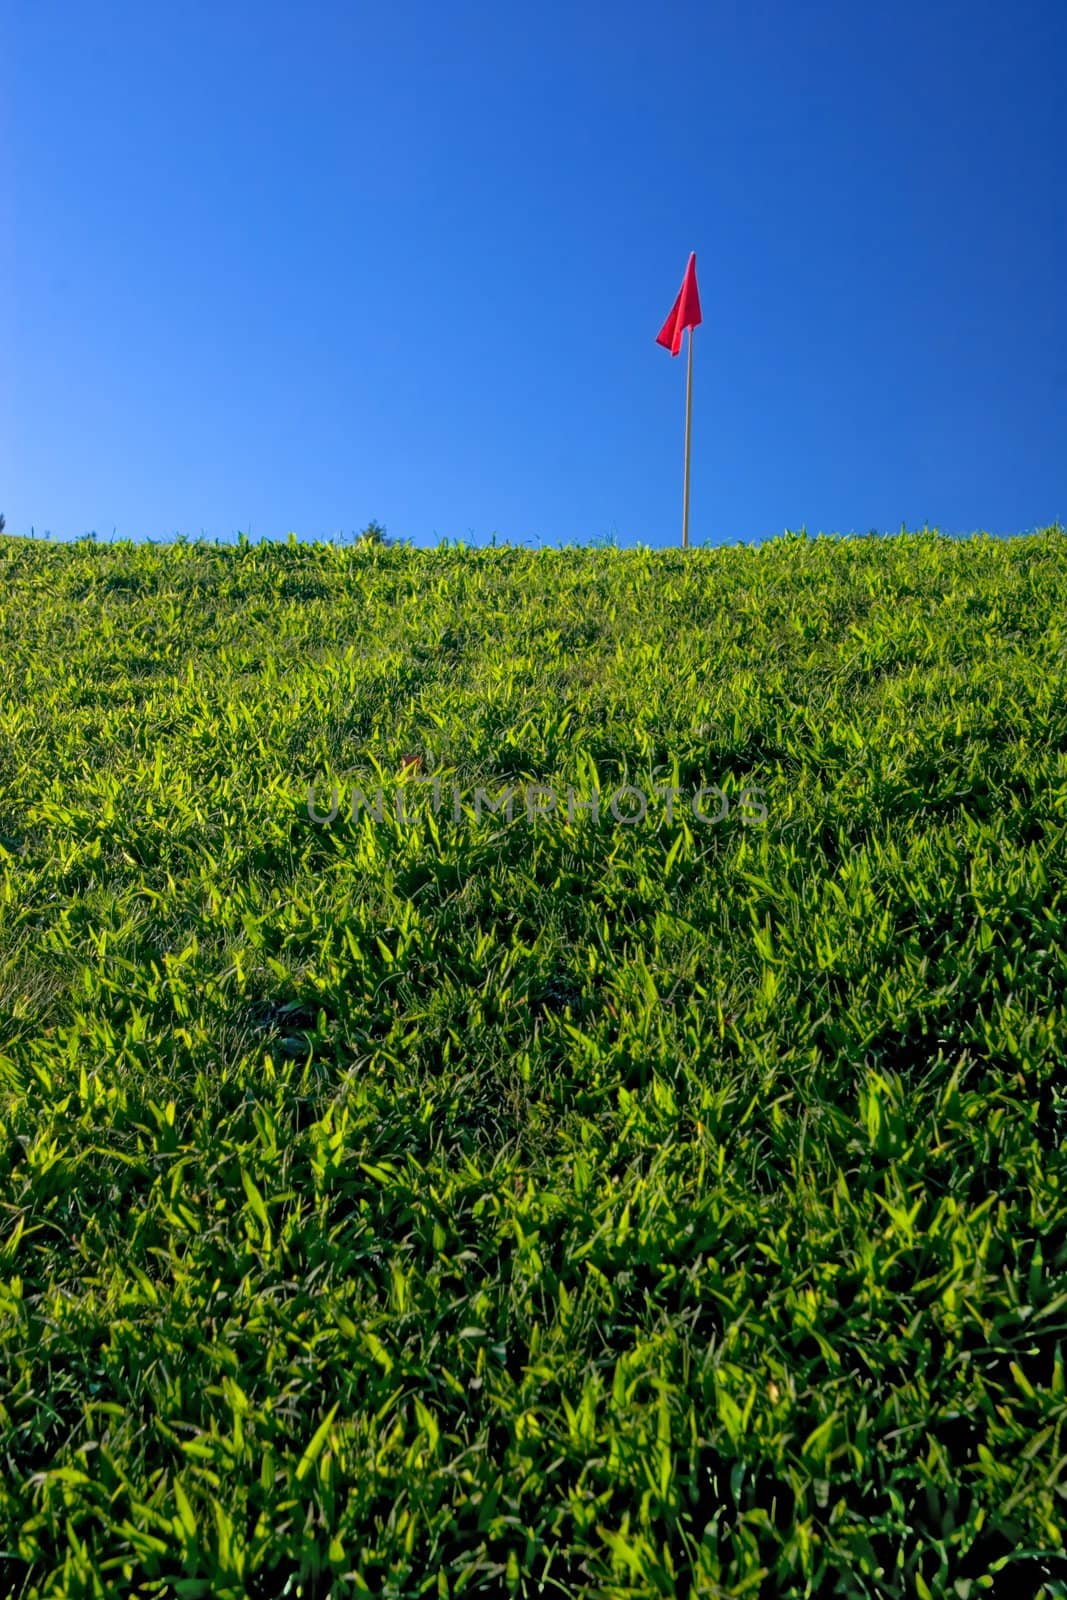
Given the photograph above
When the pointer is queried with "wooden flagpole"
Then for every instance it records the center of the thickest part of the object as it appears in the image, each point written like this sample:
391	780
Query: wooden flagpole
688	421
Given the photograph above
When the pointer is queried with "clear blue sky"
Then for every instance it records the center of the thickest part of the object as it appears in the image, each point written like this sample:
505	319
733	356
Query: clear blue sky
293	266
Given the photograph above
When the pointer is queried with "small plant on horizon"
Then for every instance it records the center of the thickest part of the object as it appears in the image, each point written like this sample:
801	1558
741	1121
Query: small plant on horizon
2	524
373	533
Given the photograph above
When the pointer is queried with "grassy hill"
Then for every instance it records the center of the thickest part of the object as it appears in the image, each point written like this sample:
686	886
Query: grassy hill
430	1202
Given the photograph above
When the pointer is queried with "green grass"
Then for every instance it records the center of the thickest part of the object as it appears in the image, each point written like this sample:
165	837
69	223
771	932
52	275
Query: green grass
533	1208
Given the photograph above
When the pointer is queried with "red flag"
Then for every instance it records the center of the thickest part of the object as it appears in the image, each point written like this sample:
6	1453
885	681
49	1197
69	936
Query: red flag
685	312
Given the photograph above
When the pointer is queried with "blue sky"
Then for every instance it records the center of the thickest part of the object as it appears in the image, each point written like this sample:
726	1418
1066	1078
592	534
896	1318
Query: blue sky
272	267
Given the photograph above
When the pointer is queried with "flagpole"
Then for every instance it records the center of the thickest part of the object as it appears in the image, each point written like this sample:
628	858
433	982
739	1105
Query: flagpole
685	313
688	421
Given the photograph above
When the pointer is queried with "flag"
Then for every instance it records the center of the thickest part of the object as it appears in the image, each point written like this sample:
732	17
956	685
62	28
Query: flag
685	312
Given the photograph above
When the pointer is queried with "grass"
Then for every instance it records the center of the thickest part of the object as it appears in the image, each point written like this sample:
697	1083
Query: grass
545	1206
